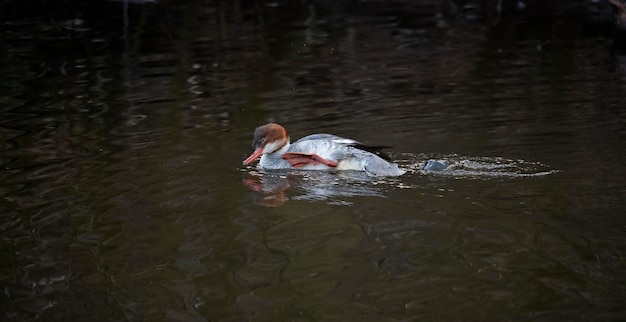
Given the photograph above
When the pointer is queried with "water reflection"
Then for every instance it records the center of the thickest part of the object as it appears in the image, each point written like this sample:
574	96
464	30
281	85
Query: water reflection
270	188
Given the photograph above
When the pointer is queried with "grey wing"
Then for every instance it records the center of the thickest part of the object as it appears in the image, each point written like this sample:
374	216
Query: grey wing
327	146
329	139
335	139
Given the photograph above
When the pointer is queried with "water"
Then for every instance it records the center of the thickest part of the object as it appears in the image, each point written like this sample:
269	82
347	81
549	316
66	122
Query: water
124	126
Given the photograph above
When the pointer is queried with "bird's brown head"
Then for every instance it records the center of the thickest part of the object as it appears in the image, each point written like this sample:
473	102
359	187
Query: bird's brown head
267	139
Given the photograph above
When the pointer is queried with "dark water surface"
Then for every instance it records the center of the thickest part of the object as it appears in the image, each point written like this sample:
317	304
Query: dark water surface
123	127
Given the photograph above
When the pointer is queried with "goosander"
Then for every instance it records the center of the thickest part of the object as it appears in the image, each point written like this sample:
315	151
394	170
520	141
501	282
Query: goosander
317	152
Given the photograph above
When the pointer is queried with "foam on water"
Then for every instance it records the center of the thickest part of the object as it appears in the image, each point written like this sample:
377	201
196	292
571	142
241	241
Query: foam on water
477	167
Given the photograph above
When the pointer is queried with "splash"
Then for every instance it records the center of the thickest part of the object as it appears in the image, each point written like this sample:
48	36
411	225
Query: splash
477	167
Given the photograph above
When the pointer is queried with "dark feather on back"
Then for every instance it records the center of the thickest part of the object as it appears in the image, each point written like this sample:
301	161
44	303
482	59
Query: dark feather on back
376	149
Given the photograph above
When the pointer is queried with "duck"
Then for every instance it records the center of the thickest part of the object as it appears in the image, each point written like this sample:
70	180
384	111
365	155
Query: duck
272	145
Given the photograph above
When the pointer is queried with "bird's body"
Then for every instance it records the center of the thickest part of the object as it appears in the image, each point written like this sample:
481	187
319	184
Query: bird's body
317	152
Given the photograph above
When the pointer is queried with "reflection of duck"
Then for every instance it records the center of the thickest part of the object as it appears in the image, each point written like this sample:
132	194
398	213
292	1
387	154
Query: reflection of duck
268	191
269	188
317	152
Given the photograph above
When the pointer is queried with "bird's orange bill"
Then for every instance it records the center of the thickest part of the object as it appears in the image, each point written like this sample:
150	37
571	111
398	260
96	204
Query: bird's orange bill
256	154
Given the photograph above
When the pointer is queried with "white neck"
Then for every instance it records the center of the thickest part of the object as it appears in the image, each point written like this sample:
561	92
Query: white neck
274	160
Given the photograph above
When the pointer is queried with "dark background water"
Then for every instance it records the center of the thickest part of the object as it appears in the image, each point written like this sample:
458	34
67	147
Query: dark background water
124	125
